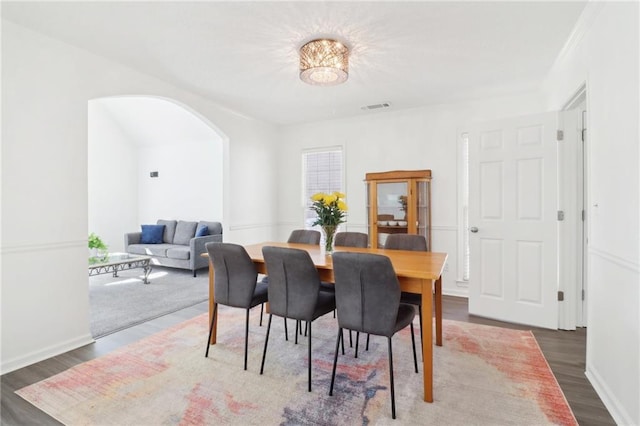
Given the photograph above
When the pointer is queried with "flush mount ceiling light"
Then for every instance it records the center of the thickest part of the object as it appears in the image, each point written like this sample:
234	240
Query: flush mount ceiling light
324	62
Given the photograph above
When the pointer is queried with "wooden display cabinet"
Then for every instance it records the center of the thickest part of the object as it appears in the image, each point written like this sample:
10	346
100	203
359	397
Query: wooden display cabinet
398	202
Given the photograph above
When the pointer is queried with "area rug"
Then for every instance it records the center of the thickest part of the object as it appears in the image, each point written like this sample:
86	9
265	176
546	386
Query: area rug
482	376
120	302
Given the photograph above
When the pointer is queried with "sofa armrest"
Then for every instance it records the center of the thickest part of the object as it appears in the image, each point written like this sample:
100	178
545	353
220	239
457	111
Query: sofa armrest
131	238
197	247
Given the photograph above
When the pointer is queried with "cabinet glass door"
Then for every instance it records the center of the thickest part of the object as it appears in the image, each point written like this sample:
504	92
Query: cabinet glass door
423	221
391	209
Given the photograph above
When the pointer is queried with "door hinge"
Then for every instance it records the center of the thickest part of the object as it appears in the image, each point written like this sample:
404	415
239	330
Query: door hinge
583	294
584	215
560	215
560	296
560	135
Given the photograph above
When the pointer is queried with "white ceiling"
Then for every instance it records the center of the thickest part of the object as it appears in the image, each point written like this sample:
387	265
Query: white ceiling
243	55
151	121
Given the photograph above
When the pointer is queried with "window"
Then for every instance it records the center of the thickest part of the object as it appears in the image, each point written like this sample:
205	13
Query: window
321	172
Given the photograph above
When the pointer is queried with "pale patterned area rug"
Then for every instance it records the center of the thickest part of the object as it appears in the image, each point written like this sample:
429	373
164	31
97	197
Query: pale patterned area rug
482	376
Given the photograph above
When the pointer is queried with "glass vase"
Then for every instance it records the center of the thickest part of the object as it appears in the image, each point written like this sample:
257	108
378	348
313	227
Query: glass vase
328	232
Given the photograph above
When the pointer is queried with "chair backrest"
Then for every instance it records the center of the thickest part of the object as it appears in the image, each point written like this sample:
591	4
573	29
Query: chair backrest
367	292
235	274
406	242
351	239
294	282
304	236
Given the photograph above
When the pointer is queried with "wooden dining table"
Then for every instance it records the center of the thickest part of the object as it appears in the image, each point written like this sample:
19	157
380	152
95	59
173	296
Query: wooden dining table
418	272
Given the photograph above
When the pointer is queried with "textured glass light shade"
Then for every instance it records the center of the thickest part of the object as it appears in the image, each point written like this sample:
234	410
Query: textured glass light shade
324	62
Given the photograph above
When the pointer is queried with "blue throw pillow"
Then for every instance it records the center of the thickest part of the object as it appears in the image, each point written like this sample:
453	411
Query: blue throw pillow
203	231
152	234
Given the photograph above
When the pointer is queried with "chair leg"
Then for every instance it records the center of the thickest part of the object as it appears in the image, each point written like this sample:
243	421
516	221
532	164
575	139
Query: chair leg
309	324
335	360
261	311
246	339
266	341
194	273
286	333
350	339
213	321
298	327
393	395
357	341
367	347
413	343
305	329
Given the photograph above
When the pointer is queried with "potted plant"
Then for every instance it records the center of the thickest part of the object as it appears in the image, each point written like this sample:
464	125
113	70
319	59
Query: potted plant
97	246
402	199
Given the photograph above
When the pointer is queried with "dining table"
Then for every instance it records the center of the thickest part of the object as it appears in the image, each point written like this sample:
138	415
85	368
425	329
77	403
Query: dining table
418	272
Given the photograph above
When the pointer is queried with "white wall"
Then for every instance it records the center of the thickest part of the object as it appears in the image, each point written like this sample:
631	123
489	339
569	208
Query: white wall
112	178
46	87
189	185
603	52
421	138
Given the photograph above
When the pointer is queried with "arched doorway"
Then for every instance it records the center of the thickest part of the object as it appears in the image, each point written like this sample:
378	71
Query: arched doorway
129	137
148	158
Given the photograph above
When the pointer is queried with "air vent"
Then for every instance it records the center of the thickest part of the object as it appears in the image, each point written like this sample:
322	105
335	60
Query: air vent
376	106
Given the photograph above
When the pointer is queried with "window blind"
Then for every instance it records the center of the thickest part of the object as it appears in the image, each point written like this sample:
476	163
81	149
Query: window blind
322	172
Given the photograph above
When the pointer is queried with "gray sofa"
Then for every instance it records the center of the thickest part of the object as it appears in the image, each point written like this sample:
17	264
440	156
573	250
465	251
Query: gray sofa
180	248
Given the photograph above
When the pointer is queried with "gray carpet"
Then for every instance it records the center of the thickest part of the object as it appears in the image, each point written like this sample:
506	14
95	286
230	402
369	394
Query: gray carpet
121	302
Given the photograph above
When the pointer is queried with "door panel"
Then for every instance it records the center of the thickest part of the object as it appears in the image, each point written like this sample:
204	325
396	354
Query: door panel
491	256
513	203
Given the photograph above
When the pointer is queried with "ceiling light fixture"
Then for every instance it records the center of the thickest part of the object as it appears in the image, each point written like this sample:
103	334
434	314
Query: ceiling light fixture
324	62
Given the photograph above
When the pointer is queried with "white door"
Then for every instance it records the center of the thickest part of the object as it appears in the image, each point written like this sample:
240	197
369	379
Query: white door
513	178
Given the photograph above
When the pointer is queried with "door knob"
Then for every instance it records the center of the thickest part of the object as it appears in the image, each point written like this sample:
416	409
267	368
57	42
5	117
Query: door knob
473	229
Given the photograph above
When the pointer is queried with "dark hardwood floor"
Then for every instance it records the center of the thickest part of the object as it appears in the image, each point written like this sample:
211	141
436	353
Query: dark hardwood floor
564	350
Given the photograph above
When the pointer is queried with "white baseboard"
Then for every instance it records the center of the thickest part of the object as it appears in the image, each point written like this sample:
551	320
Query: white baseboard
461	292
46	353
617	411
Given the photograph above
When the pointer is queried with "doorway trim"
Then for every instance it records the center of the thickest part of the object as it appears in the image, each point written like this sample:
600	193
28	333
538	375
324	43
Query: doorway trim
575	185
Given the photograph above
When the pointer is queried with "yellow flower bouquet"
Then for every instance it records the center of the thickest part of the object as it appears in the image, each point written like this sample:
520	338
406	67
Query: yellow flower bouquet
331	211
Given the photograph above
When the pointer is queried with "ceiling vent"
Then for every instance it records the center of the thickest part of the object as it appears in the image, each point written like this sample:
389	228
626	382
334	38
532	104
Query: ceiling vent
376	106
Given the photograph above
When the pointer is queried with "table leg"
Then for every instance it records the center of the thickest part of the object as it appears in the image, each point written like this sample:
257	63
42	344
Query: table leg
427	339
438	309
147	271
211	303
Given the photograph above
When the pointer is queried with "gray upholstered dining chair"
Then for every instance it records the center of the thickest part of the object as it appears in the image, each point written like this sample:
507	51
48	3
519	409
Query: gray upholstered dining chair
351	239
409	242
235	284
347	239
294	291
297	236
304	236
368	301
412	242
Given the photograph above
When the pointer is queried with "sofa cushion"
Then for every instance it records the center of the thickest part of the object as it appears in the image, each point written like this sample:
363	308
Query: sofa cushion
158	250
214	228
185	231
179	252
202	231
169	230
151	234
